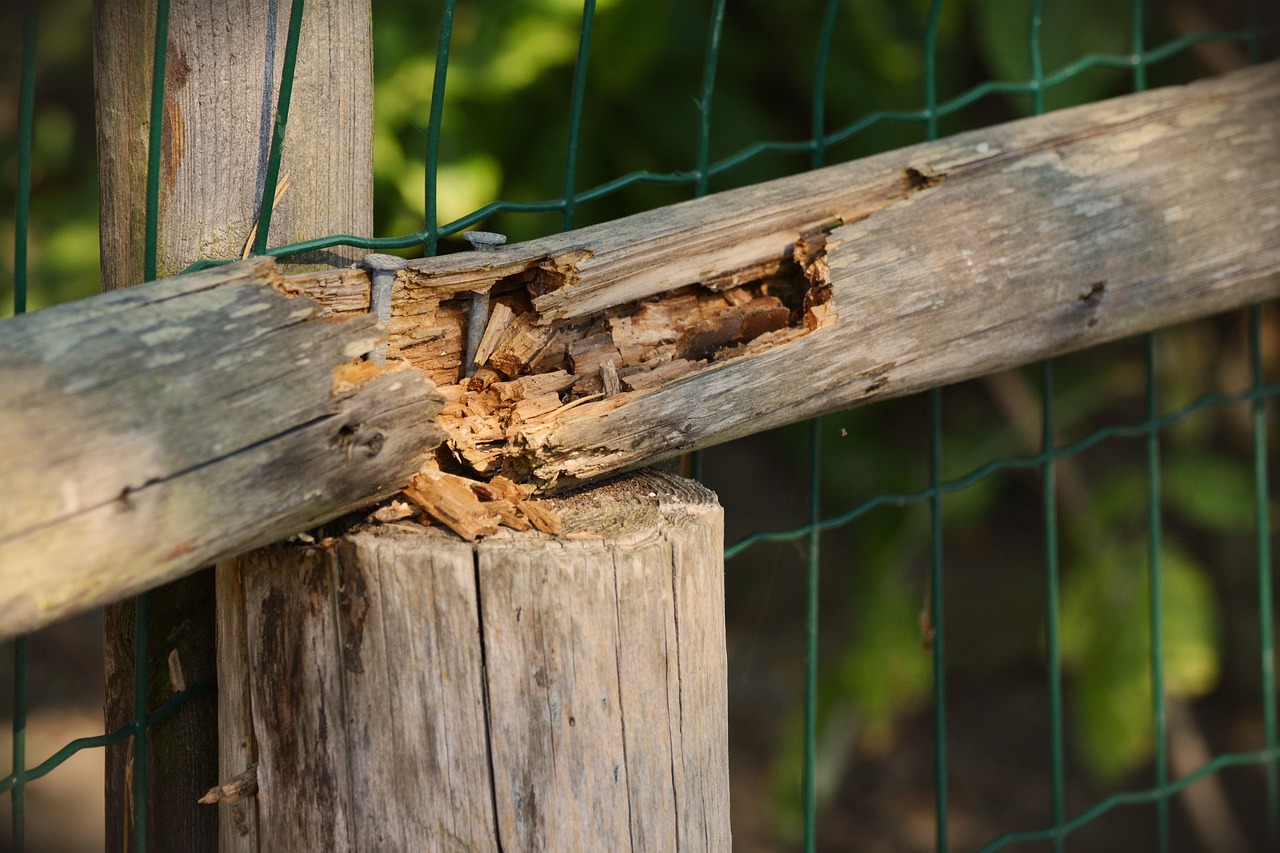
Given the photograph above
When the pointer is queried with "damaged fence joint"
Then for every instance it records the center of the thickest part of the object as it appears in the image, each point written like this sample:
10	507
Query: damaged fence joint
382	275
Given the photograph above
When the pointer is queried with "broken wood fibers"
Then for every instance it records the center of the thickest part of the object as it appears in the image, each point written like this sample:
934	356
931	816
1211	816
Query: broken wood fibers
632	341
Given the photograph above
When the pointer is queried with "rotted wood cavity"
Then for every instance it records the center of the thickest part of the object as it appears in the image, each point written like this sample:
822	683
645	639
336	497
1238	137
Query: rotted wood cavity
530	371
632	341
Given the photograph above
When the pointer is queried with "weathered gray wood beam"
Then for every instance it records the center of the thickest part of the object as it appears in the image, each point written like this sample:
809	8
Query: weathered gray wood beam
149	431
942	261
935	263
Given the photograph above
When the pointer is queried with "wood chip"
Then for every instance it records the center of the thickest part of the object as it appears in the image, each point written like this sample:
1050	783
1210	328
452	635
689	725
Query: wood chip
533	407
499	319
501	489
394	511
586	355
543	518
521	341
242	786
528	386
449	499
510	514
609	378
177	680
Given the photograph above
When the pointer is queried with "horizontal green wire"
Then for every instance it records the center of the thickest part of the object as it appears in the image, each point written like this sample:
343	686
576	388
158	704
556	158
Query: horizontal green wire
1009	463
130	728
1130	798
807	146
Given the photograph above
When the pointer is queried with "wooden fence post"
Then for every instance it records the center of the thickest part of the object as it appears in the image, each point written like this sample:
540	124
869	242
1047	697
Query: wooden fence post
222	77
407	690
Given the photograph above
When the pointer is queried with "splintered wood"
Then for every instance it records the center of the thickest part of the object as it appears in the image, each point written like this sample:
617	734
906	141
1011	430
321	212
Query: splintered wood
531	372
472	508
628	342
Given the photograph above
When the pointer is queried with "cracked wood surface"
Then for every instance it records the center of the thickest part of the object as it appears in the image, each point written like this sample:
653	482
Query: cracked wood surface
152	430
407	690
907	270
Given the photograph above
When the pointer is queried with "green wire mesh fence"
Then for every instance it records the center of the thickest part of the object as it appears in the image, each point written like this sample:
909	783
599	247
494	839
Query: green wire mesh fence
1064	438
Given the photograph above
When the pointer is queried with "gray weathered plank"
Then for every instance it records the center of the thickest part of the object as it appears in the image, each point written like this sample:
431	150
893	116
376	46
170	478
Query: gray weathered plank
942	261
152	430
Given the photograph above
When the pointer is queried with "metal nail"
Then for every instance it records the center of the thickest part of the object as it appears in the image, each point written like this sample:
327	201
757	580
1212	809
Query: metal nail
478	310
382	275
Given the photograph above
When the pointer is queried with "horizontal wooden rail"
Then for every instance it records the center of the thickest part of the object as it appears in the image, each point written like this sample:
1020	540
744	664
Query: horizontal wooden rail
149	431
624	343
635	340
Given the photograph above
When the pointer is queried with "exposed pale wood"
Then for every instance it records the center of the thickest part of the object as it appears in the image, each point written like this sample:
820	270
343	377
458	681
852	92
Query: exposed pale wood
908	270
240	787
498	322
449	500
154	429
411	691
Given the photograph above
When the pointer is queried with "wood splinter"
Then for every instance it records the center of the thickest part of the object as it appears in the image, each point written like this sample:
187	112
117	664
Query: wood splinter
241	787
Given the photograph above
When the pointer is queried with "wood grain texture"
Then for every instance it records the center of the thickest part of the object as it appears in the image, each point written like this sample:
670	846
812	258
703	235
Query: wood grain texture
221	87
412	691
154	429
938	262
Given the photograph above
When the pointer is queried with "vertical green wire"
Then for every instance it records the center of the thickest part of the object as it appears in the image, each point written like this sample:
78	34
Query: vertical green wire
809	789
1262	526
26	124
151	239
1037	59
17	802
818	128
704	100
432	227
1137	48
1053	632
935	497
267	205
150	248
22	217
575	111
1053	610
710	60
1156	595
1155	533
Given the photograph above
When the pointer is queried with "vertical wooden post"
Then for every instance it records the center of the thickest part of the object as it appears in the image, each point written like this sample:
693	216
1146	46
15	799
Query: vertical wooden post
222	77
407	690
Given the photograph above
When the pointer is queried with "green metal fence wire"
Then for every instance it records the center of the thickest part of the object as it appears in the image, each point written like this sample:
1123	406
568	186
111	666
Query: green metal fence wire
1139	59
26	123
